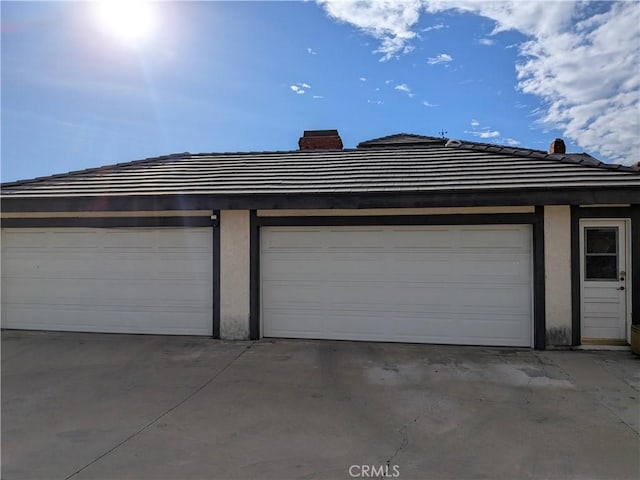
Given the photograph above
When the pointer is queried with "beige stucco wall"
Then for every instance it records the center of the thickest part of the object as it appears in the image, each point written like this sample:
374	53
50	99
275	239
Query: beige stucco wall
393	211
557	264
234	274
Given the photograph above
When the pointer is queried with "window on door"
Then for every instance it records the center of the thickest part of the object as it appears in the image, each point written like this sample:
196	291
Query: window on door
601	254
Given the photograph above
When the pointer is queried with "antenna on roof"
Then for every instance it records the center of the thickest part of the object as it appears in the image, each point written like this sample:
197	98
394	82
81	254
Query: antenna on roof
442	133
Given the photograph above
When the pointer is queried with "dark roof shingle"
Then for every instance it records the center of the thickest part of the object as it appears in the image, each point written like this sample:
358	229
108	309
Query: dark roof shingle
398	163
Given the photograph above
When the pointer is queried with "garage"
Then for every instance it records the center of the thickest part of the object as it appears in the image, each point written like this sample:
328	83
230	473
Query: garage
445	284
117	280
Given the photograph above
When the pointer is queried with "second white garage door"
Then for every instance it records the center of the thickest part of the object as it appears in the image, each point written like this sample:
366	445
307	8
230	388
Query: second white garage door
117	280
461	285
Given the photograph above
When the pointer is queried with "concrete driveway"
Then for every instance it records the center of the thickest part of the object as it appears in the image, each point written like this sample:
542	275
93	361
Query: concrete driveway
87	406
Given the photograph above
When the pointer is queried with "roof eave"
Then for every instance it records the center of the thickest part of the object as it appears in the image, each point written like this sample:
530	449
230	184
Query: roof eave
442	198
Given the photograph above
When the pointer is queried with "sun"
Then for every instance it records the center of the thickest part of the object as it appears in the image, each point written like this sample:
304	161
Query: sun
129	21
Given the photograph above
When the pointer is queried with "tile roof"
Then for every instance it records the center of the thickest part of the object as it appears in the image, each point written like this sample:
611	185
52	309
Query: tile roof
398	163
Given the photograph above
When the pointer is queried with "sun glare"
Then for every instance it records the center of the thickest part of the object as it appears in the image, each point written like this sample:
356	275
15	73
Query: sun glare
129	21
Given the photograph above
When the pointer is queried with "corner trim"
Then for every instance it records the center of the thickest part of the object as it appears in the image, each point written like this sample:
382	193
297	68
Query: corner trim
216	276
254	276
575	276
635	264
539	295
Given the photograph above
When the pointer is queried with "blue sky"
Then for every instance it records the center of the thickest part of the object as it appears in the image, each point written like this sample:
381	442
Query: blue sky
247	76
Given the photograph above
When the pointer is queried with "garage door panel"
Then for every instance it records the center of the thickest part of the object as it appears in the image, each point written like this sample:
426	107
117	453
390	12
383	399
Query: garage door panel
108	266
108	280
366	240
391	296
160	322
133	292
473	288
486	238
293	240
441	267
442	328
413	239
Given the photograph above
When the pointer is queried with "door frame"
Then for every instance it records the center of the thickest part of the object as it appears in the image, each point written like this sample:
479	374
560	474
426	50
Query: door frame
535	219
132	221
365	229
624	240
630	214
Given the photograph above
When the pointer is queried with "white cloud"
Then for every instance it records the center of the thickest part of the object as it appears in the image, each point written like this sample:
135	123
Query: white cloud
310	51
428	105
363	79
582	65
375	102
438	26
510	141
403	87
318	96
389	21
489	134
486	41
589	81
441	58
300	87
481	132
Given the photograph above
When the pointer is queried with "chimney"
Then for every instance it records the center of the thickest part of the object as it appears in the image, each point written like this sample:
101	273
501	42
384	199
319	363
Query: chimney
320	140
557	146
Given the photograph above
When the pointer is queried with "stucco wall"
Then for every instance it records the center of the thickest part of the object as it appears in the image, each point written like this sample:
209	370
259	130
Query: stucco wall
234	274
557	264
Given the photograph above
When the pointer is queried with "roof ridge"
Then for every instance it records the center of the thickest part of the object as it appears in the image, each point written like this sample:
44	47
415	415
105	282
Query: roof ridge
396	135
571	158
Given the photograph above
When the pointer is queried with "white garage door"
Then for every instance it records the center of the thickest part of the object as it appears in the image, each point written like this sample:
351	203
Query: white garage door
121	280
462	285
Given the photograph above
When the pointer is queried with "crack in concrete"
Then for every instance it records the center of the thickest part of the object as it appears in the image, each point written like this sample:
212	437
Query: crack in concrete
528	390
405	440
163	414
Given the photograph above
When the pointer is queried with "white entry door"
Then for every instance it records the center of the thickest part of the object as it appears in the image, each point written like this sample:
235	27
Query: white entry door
425	284
604	275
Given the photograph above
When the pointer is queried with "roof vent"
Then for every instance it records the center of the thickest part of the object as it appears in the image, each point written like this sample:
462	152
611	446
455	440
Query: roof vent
557	146
320	140
453	143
